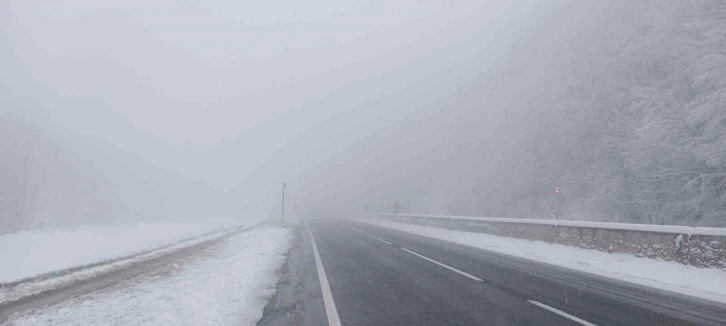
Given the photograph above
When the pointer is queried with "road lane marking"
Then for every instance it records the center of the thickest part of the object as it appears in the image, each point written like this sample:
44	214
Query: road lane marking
330	309
444	265
561	313
372	236
377	238
354	229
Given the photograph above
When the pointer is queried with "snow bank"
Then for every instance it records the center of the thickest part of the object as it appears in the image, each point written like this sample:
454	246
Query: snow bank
39	285
229	286
676	229
29	254
700	282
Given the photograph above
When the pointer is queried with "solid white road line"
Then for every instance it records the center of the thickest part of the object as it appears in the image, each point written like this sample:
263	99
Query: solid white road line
444	265
377	238
330	310
561	313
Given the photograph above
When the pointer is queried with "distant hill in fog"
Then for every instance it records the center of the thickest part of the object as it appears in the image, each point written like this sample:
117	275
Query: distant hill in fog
624	109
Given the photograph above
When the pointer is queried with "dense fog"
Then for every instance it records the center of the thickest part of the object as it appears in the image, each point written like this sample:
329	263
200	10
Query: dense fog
115	112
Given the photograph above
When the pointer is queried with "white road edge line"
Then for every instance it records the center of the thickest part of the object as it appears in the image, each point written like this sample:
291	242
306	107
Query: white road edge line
330	309
444	265
561	313
377	238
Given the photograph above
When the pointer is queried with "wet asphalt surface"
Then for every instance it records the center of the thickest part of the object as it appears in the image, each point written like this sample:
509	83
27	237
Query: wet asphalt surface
378	283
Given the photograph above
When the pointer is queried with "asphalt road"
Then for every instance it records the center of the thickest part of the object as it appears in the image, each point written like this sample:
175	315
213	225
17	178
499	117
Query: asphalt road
380	276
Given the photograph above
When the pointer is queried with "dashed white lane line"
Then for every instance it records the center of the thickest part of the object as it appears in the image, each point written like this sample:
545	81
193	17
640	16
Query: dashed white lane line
354	229
536	303
443	265
561	313
330	309
377	238
372	236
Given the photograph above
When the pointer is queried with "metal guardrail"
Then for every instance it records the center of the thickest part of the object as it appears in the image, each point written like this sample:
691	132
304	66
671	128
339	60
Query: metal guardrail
703	247
673	229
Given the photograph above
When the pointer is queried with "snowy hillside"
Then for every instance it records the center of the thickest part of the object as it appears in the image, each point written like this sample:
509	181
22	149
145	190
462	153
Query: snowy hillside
620	104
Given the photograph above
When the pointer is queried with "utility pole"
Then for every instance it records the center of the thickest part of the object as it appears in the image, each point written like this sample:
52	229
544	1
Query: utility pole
282	215
294	207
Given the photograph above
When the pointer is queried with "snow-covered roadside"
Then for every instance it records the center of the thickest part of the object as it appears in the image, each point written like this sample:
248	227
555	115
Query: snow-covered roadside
228	287
700	282
31	287
28	254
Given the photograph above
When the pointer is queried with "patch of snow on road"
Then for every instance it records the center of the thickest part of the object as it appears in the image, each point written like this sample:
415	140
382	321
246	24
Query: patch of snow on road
705	283
228	287
28	254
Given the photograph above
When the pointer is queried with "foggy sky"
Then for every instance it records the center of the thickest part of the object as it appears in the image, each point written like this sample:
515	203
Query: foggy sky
347	101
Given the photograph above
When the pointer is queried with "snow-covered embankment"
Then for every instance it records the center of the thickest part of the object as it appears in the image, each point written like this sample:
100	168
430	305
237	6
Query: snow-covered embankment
29	254
35	262
228	285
